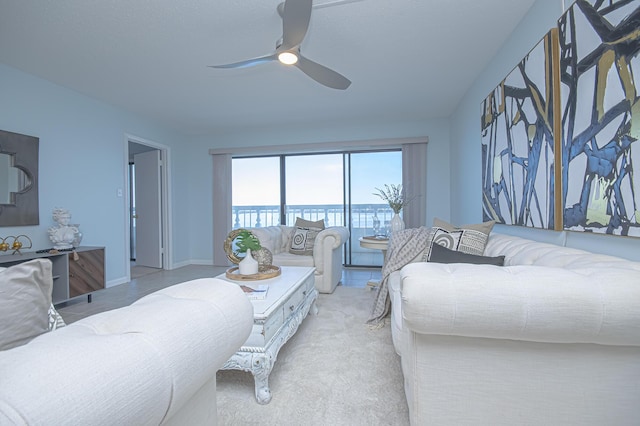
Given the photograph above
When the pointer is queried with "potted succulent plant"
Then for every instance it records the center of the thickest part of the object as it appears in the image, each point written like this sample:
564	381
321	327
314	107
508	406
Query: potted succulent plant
248	243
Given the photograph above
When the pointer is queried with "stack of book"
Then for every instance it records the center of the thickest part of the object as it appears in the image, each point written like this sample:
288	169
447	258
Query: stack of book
255	292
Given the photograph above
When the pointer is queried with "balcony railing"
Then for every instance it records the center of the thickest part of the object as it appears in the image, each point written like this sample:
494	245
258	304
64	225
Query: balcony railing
366	219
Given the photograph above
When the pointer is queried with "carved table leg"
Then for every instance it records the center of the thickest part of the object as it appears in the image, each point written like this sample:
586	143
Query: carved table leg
261	368
314	308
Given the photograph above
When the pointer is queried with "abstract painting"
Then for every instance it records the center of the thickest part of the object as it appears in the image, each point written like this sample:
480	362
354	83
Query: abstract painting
519	123
600	77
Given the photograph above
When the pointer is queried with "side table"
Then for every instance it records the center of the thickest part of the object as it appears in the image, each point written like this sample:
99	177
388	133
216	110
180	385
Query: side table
375	243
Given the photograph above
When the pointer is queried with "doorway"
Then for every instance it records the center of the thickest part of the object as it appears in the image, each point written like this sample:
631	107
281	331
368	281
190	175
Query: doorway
147	207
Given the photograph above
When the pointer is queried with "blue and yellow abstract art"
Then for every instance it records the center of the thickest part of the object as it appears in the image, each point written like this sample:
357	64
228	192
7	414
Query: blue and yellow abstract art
560	133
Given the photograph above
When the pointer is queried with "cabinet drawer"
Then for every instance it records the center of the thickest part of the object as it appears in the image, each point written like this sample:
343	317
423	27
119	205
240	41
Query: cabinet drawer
273	325
86	273
294	301
299	296
262	333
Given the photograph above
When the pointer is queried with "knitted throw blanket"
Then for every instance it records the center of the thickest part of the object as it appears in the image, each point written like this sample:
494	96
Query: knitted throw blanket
404	246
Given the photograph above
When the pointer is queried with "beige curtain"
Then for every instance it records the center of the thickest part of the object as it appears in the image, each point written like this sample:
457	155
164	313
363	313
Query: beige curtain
222	206
414	182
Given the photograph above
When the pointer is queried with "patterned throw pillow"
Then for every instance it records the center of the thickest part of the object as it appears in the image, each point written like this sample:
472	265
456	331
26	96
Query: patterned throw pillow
470	239
304	236
55	319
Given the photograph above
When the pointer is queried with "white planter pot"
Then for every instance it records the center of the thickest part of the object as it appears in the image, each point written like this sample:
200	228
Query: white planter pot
248	265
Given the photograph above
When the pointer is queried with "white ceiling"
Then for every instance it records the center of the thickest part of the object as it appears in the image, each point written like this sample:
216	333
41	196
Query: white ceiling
408	59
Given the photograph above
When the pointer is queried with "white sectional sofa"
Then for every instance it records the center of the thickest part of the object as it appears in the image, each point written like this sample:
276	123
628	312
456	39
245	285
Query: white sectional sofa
326	258
150	363
551	338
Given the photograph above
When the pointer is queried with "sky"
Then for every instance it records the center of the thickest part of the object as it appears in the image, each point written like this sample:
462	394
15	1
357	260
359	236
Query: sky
314	179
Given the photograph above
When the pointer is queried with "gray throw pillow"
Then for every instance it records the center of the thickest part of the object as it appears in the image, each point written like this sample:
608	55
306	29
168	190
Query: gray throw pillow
484	227
25	299
440	254
304	236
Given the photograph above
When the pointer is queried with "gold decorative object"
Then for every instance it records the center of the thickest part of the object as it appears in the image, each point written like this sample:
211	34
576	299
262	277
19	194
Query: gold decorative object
16	244
232	254
265	272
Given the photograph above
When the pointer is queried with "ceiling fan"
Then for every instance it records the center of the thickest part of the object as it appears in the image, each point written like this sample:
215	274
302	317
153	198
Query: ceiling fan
296	15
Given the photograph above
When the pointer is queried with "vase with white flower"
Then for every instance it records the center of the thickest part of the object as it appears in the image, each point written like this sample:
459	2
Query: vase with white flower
395	197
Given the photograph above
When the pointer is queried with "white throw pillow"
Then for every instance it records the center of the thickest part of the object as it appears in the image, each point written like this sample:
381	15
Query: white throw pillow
25	300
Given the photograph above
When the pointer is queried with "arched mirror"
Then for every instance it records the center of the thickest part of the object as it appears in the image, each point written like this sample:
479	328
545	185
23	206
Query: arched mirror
12	179
18	179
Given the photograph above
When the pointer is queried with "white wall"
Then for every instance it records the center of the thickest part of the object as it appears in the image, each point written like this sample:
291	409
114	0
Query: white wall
82	163
465	140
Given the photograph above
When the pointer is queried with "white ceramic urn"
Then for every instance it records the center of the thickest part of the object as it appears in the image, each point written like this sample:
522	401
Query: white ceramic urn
248	265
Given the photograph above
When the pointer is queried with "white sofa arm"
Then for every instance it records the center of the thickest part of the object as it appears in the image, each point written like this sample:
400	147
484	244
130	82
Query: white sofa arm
542	304
327	257
328	240
135	365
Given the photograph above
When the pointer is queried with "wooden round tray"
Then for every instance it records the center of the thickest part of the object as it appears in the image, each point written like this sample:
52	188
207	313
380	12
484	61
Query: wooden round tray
266	272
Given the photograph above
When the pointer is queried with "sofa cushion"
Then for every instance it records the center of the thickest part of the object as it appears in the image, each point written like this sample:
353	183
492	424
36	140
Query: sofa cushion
484	227
521	251
304	236
270	237
440	254
288	259
25	300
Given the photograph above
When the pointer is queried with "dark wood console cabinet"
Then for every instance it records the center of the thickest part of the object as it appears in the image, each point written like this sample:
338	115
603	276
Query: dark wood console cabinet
74	273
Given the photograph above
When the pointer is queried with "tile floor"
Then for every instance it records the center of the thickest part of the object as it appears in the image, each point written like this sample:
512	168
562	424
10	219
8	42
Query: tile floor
149	280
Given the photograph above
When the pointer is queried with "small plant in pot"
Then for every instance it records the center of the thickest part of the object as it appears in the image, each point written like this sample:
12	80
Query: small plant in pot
247	241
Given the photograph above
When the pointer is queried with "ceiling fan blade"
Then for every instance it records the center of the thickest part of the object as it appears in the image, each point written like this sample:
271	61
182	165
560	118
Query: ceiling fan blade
322	74
248	62
295	22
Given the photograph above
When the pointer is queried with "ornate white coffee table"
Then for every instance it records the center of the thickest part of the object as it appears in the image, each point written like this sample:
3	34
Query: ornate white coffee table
289	299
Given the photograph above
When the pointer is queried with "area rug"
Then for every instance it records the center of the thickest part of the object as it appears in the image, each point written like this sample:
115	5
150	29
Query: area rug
335	370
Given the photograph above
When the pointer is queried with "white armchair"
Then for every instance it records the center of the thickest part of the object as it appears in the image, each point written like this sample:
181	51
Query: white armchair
326	258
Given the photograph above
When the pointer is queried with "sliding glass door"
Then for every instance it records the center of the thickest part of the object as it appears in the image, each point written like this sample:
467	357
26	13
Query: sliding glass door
314	188
337	188
256	192
368	214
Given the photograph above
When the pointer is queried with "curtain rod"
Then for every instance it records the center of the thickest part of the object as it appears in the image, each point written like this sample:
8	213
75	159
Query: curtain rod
355	145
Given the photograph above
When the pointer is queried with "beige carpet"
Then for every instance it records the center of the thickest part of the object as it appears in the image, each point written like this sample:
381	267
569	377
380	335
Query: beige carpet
334	371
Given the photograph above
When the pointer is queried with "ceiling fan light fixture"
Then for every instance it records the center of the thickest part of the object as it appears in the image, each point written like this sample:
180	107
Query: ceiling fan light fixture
288	58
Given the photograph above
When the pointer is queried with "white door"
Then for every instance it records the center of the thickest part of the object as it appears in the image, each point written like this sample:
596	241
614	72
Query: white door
148	194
